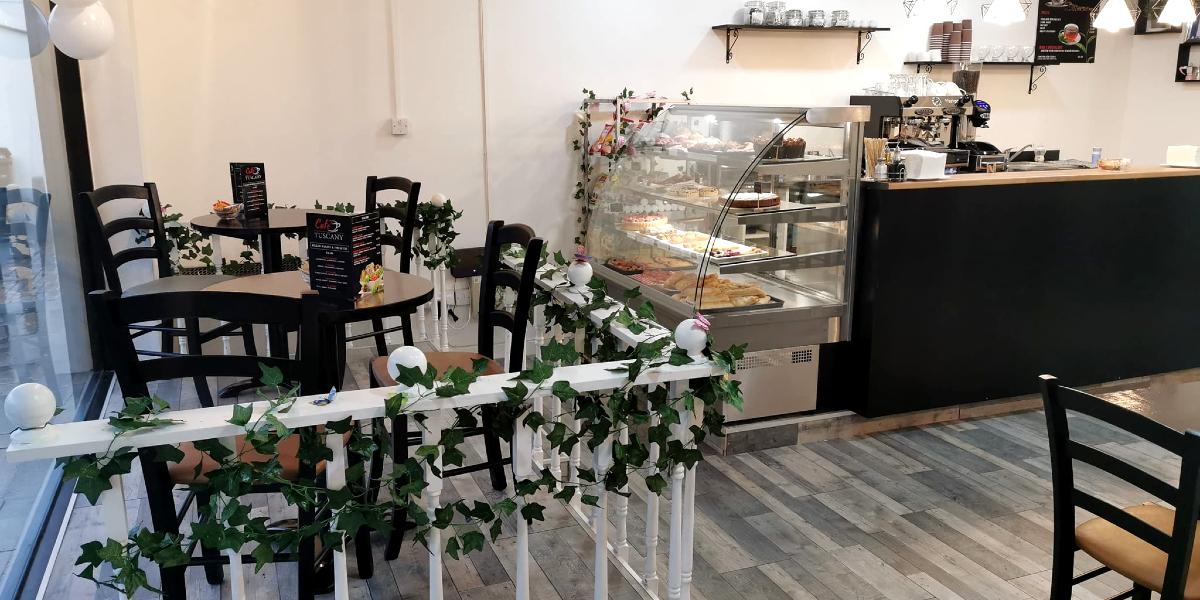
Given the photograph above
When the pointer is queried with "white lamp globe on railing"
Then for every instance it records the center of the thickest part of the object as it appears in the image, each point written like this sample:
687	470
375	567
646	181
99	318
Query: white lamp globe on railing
1178	12
1114	16
579	272
691	335
30	406
409	357
82	29
1004	12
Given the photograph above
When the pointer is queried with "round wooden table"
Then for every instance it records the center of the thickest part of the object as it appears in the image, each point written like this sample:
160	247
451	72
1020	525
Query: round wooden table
269	231
401	293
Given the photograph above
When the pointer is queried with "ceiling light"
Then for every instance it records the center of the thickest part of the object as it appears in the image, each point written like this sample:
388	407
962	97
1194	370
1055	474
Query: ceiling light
1114	16
1004	12
1177	12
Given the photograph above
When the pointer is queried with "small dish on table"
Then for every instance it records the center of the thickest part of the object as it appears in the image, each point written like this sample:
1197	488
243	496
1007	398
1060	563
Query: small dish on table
225	210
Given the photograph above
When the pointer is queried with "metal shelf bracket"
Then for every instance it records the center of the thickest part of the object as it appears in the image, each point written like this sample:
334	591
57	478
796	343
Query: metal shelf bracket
731	39
861	46
1036	73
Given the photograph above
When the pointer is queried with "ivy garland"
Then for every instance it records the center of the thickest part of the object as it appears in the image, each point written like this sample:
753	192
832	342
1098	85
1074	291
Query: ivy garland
612	146
435	234
226	523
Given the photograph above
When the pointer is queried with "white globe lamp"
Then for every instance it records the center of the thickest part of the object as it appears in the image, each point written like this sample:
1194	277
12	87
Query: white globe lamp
81	32
691	335
409	357
1114	16
30	406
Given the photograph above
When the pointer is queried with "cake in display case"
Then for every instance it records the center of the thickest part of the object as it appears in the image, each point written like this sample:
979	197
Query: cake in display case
742	213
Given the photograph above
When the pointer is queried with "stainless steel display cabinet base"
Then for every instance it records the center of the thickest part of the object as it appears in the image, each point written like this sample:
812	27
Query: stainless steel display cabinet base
776	382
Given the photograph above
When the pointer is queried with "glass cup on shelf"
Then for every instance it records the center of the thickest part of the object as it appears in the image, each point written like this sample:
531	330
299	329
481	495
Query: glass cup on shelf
795	18
754	12
1039	153
816	18
776	14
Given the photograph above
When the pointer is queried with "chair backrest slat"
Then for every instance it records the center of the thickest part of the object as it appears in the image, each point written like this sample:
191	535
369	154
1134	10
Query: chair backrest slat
1064	450
135	375
497	275
98	232
405	215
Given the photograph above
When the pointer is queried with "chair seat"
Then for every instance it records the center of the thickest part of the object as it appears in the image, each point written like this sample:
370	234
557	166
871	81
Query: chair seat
177	283
441	362
184	472
1133	557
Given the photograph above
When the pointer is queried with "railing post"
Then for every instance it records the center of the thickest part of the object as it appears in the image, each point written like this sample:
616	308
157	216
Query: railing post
444	336
689	501
650	574
522	469
553	457
335	479
112	511
675	549
537	455
433	498
237	579
601	461
621	544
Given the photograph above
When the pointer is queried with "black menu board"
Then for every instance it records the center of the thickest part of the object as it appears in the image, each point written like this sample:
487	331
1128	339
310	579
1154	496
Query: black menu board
1065	33
343	255
249	188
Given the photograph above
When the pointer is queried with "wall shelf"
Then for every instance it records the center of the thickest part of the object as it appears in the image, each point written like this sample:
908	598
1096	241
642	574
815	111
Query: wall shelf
1036	70
733	31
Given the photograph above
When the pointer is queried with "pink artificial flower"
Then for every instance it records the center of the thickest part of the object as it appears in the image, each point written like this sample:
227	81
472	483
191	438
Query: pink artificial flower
581	255
701	323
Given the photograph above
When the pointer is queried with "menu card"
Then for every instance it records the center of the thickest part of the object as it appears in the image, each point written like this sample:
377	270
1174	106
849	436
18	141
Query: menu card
1065	33
249	188
344	260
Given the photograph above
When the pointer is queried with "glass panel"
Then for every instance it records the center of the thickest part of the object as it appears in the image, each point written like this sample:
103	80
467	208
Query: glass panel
734	208
43	334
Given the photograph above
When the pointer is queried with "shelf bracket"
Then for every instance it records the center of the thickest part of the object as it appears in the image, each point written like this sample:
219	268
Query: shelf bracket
1036	73
731	39
861	46
926	67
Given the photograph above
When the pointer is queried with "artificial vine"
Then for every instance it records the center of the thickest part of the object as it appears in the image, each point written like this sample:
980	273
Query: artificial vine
612	145
436	234
226	523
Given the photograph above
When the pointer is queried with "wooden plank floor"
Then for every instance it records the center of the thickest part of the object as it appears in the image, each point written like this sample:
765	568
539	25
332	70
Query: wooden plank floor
951	511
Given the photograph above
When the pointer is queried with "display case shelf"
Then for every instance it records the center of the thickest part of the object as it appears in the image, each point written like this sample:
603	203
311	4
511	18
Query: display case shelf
785	212
770	260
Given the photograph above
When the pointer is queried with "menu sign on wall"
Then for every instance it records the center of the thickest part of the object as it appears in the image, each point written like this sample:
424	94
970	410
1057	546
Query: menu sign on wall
249	188
1065	33
344	259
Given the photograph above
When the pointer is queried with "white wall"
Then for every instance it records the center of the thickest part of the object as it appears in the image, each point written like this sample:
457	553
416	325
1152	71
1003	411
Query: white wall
317	108
18	128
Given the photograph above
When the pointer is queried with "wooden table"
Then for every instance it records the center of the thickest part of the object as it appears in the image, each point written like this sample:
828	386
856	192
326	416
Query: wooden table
268	231
401	292
1172	400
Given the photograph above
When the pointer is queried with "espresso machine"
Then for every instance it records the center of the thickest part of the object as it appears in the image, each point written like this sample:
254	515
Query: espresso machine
946	124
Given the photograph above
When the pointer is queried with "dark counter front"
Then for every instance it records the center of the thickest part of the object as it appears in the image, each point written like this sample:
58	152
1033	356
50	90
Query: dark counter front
968	292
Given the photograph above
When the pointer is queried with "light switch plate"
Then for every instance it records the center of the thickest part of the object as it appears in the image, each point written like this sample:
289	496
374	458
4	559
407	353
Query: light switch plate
399	126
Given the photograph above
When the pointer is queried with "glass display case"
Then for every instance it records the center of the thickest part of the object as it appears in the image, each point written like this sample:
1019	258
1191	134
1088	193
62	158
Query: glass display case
743	212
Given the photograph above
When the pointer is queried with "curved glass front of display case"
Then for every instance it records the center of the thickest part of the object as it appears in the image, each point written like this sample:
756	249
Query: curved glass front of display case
733	209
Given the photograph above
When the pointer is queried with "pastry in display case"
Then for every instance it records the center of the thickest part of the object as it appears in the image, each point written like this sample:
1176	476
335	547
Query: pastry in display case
742	213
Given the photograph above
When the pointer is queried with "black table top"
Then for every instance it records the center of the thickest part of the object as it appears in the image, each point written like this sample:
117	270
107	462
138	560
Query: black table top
278	221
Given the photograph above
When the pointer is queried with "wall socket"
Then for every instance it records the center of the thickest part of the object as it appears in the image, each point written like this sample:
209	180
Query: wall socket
399	126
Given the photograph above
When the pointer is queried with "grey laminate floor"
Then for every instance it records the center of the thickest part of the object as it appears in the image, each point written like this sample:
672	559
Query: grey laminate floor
952	511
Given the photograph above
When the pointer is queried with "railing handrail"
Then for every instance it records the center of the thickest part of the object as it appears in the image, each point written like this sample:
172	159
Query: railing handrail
93	437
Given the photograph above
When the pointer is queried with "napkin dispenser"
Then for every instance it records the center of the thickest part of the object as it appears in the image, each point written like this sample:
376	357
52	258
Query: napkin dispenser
923	164
1183	156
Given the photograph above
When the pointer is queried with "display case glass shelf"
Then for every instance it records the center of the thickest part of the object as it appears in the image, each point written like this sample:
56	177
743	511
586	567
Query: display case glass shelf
743	212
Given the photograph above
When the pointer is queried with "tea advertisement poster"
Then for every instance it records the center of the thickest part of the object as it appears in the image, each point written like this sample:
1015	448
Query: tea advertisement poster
1064	32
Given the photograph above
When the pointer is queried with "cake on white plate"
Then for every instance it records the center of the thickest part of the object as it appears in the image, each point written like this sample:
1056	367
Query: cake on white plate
1183	156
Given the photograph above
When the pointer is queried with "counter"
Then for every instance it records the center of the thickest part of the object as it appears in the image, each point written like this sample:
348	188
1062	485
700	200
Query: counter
968	288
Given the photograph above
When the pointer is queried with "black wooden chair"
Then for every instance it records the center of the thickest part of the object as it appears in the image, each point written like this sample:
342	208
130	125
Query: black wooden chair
403	216
1150	544
148	227
495	275
118	312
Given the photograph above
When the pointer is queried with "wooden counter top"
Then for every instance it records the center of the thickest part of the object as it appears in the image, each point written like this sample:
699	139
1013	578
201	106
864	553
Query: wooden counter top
1017	178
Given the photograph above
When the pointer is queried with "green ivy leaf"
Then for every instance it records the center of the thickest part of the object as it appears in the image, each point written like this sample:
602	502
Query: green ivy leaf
271	376
533	512
394	405
241	415
472	541
656	483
